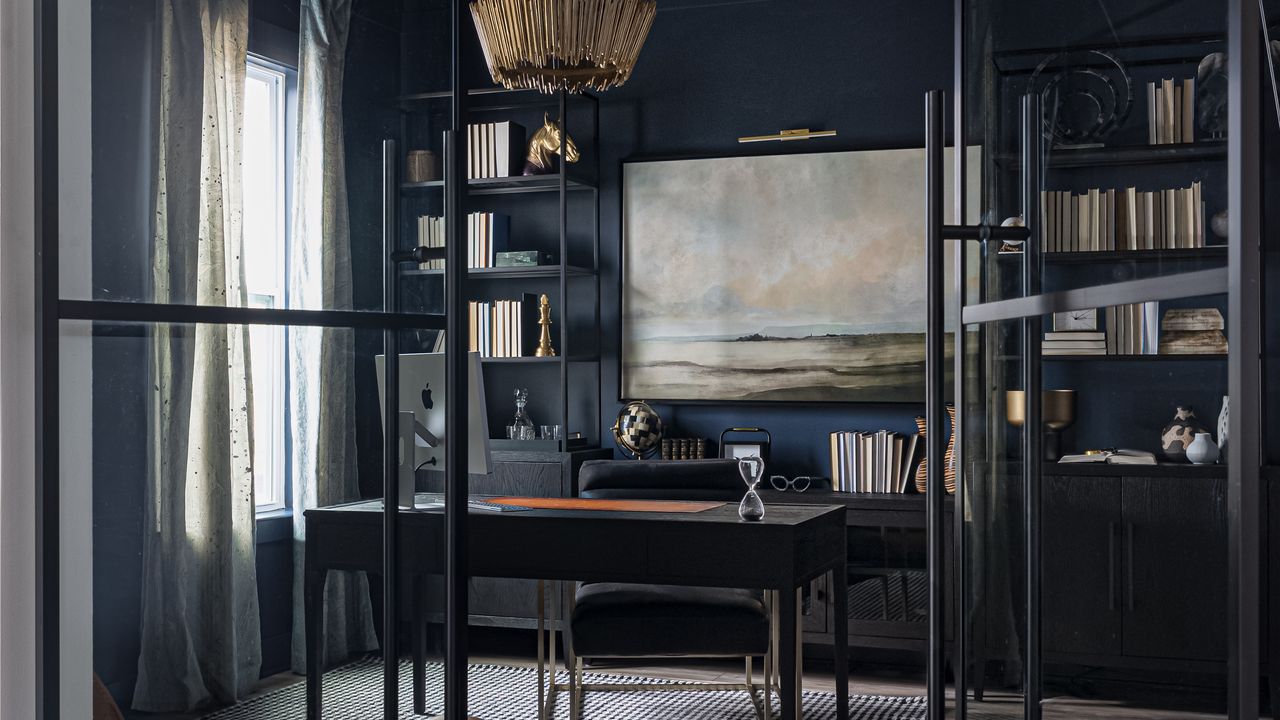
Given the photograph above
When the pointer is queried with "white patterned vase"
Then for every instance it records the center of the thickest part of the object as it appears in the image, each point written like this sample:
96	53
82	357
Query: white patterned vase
1223	416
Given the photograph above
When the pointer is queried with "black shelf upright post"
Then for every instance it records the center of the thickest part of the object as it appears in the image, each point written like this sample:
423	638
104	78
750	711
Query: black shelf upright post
959	576
456	410
1032	155
1244	370
564	260
935	490
390	436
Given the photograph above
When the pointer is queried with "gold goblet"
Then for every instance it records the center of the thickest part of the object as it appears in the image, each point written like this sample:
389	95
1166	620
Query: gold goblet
1057	413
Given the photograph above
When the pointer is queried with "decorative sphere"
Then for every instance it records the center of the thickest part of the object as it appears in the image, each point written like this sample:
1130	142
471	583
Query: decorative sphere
638	429
1218	223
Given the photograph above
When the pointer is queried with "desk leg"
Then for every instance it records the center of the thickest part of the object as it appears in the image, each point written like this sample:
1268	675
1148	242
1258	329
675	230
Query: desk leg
313	609
840	595
788	669
419	616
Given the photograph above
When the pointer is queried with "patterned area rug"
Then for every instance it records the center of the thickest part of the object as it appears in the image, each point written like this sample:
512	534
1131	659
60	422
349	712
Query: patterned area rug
354	692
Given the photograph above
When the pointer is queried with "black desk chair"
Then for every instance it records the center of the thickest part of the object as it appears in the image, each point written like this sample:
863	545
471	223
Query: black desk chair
628	621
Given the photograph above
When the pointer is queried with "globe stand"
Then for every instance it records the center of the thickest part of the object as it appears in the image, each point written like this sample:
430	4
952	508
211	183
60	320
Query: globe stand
638	430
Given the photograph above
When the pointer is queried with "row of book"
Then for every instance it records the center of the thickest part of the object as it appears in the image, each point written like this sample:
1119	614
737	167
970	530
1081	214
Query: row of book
1171	111
1098	220
504	328
684	448
874	462
487	235
495	150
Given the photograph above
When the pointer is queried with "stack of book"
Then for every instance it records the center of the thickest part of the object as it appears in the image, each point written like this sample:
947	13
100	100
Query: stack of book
1133	329
1171	111
487	235
872	462
495	150
1195	331
504	328
431	234
1099	220
1074	342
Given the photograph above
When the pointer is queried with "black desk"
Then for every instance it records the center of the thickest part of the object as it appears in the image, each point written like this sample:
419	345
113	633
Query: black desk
792	546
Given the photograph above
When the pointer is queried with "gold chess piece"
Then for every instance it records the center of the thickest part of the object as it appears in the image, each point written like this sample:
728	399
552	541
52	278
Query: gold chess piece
544	320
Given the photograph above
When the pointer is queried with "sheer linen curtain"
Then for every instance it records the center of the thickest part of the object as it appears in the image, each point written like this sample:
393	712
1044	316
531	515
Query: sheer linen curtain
200	631
322	389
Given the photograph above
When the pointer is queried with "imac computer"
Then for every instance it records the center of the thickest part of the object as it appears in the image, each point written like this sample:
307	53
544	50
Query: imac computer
422	399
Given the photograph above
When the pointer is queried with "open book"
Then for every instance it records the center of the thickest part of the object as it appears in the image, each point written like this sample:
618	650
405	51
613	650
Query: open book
1113	457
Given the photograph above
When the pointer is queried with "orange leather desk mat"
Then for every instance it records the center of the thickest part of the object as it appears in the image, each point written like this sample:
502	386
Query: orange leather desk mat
604	504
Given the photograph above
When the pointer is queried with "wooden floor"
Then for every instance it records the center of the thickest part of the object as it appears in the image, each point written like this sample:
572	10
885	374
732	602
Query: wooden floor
864	681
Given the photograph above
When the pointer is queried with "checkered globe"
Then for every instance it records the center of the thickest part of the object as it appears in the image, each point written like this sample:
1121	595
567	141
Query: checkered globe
638	429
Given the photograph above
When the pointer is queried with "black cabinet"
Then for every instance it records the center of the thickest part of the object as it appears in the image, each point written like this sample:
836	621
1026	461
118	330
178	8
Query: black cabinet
887	571
1134	565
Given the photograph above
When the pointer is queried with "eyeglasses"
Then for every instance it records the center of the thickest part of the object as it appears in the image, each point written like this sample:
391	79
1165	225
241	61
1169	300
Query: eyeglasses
798	484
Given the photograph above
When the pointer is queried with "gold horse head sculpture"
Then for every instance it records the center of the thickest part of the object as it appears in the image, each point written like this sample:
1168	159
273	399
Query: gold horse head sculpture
547	141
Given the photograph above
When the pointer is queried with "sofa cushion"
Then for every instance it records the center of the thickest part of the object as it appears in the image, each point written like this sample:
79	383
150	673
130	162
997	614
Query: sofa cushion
629	620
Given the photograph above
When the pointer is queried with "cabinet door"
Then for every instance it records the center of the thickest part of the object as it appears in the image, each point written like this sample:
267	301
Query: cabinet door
1175	549
1081	565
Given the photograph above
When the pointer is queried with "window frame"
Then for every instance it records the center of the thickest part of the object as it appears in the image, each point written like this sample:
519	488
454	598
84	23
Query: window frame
284	91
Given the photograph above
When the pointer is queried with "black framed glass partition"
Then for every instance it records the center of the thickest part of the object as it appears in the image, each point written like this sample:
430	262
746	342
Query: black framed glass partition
218	318
1102	542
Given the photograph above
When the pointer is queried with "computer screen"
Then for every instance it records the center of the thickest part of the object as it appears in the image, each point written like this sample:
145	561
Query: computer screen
424	393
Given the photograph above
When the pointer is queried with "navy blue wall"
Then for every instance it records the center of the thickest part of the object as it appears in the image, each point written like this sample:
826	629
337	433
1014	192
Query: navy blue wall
711	72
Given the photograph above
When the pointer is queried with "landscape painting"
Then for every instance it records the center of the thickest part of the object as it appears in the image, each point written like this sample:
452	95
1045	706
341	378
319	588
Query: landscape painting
782	278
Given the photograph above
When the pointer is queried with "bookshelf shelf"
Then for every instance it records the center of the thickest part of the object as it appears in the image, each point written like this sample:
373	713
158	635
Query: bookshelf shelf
555	360
487	99
507	185
1205	357
1211	252
1133	155
507	273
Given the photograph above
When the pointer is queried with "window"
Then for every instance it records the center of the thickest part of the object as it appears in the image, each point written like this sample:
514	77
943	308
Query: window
265	166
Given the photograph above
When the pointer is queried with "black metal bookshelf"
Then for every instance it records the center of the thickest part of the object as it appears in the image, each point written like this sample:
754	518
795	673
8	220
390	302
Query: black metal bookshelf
421	110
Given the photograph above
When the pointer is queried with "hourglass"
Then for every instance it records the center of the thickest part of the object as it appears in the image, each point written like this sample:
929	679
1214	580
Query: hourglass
751	508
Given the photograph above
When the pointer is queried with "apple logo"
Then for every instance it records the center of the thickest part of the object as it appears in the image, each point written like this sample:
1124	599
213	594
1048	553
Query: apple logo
426	397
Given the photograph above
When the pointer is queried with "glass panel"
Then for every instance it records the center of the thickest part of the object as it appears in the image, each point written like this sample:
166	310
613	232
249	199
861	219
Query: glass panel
196	203
1131	185
1133	180
1132	545
178	564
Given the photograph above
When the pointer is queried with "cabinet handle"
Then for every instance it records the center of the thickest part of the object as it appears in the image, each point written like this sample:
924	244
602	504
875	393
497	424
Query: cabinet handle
1111	566
1128	560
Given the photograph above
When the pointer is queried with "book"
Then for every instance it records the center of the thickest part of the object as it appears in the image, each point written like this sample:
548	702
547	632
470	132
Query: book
1074	345
1112	457
1074	335
1192	319
1193	342
1058	352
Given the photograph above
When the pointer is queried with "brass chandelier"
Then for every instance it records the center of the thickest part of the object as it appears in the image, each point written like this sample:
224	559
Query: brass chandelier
572	45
